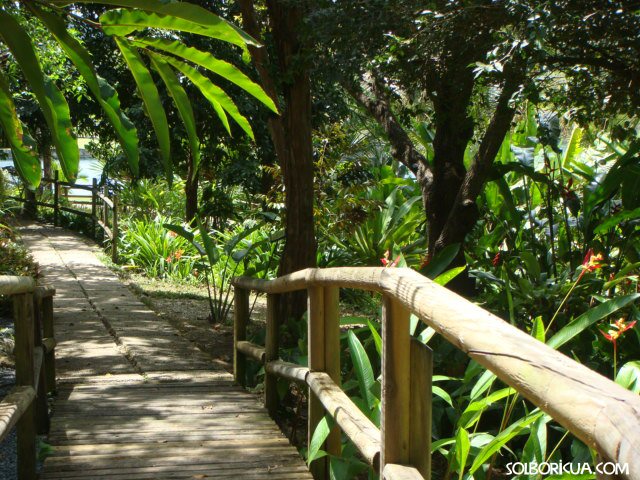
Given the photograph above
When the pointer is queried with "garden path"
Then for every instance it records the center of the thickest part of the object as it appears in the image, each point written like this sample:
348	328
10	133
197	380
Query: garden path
135	399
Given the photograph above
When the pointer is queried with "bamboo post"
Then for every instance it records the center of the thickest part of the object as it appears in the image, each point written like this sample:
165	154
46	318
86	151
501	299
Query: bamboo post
240	321
42	408
332	355
26	426
114	231
421	372
271	400
56	197
47	332
94	206
105	213
396	358
317	363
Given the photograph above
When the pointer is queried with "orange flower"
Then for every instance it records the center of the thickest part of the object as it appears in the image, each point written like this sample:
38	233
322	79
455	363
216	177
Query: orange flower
178	254
168	259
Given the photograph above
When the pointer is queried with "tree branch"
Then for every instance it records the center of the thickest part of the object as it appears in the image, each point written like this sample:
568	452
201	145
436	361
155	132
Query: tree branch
379	106
464	211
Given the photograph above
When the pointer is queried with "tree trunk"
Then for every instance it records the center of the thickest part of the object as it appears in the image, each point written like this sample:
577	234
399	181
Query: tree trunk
191	194
291	136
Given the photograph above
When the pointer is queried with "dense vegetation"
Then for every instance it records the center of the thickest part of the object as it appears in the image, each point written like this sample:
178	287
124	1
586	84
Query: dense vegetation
493	146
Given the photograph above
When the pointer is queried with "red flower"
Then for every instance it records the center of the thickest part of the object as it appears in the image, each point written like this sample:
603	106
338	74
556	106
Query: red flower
592	262
386	263
619	327
497	260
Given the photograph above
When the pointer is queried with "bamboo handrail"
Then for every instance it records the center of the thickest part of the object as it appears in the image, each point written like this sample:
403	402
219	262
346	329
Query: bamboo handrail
26	405
596	410
99	200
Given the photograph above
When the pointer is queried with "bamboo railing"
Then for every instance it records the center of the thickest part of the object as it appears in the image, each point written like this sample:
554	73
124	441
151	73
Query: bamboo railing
26	406
605	416
103	207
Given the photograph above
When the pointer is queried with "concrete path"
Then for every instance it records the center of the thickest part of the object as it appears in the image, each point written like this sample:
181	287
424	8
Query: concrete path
135	399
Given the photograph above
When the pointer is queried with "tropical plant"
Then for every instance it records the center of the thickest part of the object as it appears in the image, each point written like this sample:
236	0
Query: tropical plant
223	255
169	58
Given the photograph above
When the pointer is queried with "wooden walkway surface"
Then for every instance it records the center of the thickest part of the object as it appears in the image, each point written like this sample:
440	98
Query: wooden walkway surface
135	399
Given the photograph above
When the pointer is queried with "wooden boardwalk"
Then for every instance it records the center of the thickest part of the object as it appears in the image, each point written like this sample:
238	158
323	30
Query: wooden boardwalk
135	399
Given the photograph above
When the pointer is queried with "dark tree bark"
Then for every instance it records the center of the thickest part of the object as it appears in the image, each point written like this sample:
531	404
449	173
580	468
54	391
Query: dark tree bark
449	191
291	135
191	193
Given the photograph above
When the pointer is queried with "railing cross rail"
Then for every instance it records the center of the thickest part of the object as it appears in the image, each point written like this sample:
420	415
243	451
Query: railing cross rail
599	412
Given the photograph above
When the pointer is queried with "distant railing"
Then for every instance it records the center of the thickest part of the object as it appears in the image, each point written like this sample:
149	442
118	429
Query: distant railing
26	405
602	414
99	207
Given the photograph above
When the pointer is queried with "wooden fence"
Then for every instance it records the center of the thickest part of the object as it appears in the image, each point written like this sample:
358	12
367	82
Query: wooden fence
26	405
97	205
605	416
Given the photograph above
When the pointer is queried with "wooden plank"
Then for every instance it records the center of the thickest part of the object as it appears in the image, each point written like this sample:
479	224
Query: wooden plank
420	408
240	321
317	363
271	400
333	445
400	472
396	392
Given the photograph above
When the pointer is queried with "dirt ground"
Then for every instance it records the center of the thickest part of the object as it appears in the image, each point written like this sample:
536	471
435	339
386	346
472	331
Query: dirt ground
186	307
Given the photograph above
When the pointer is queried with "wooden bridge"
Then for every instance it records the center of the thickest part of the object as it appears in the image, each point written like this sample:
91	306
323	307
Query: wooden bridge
137	401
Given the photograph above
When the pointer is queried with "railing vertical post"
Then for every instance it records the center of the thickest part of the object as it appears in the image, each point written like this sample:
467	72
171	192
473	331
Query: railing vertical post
396	359
332	355
26	427
42	408
271	353
114	230
105	213
48	332
56	199
317	363
240	321
94	206
421	372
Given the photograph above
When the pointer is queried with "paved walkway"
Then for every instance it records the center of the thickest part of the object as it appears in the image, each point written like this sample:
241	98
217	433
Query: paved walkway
136	400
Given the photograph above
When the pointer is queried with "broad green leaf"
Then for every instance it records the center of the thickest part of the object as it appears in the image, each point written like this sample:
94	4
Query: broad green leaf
537	329
209	247
363	370
104	93
183	104
218	98
572	150
441	261
53	105
377	341
462	450
449	275
211	63
616	220
473	411
590	317
25	157
482	384
318	438
629	376
535	450
183	16
440	392
151	99
502	438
